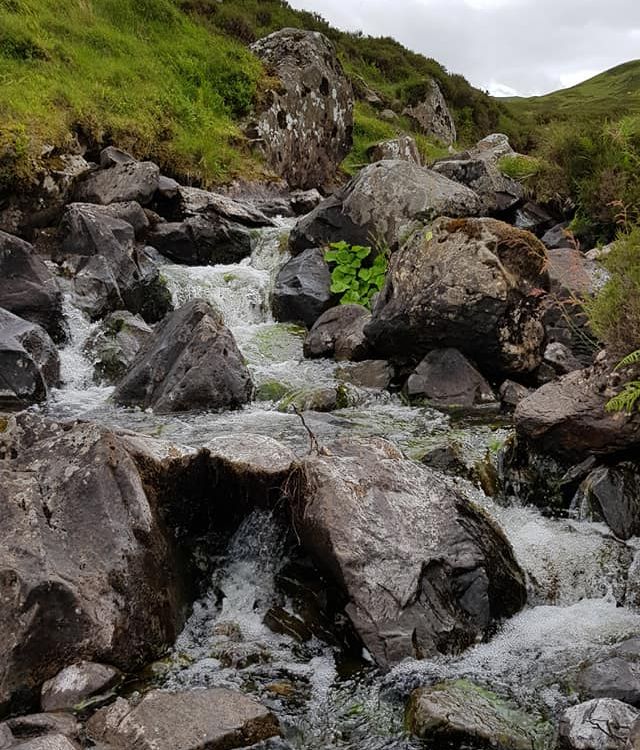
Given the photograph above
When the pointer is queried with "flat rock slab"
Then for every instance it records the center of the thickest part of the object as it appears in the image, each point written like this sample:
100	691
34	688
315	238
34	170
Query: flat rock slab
252	454
216	719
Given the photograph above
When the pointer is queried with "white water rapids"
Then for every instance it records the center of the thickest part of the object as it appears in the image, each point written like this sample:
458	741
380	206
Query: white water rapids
577	571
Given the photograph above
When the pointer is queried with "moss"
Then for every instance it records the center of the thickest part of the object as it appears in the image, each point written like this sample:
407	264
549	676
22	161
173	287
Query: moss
4	423
271	390
519	167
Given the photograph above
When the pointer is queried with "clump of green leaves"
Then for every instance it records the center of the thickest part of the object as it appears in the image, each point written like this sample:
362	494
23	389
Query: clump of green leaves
352	277
629	396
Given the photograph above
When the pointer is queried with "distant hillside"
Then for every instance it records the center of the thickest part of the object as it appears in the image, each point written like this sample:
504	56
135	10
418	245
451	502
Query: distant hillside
171	80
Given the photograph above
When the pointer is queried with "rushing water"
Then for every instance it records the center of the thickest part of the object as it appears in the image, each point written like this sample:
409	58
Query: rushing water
577	572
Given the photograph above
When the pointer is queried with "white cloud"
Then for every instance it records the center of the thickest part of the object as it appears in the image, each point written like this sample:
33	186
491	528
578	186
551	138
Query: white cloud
572	79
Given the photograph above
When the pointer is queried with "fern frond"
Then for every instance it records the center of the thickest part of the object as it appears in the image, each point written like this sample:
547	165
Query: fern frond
630	359
627	399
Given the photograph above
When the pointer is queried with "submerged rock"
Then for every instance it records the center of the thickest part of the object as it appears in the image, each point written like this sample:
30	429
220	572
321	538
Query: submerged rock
77	682
215	719
425	571
191	362
305	128
339	333
384	200
302	290
470	284
597	725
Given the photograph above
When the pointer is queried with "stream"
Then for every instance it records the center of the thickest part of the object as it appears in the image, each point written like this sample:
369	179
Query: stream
577	572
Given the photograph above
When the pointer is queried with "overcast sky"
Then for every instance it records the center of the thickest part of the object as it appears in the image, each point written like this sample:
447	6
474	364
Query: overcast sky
506	46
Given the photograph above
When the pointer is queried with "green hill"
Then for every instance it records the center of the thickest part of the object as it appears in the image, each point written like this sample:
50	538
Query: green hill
171	80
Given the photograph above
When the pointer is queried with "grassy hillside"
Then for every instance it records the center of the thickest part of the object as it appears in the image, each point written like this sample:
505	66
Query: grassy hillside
171	80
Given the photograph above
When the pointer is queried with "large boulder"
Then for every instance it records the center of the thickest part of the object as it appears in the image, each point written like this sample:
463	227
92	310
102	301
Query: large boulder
615	677
89	573
27	287
568	418
302	290
215	719
339	333
403	147
424	570
125	181
384	201
29	362
305	128
432	116
470	284
603	724
191	362
479	169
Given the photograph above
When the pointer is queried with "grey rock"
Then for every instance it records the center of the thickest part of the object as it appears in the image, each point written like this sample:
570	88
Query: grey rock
602	724
302	289
29	362
339	333
479	170
558	237
115	345
76	683
439	584
130	212
129	181
111	156
48	742
191	362
304	201
512	393
445	377
614	678
261	456
446	458
89	572
6	738
37	725
168	188
384	200
403	147
215	719
27	287
305	129
371	373
560	358
461	712
195	201
614	491
532	217
389	115
432	115
469	284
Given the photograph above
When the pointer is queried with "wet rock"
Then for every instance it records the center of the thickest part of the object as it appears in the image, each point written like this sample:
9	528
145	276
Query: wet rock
262	457
512	393
128	181
111	156
532	217
114	347
191	362
403	147
560	358
216	719
432	115
469	284
461	712
446	378
479	170
302	290
447	458
568	417
27	287
384	200
614	492
305	129
597	725
48	742
559	237
448	574
29	362
323	399
197	202
38	725
371	373
89	573
339	333
76	683
614	678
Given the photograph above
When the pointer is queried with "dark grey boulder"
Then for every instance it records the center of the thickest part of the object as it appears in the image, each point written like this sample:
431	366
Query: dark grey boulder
195	201
191	362
424	570
468	284
131	212
384	200
77	682
339	334
530	216
445	377
559	237
128	181
27	287
302	290
370	373
304	128
111	156
512	393
29	362
115	345
560	358
214	719
614	678
614	492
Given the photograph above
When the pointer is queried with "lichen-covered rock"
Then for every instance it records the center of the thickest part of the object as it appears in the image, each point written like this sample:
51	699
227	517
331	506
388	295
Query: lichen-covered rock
215	719
302	289
339	333
115	345
305	128
602	724
470	284
384	200
403	147
191	362
27	287
121	182
461	712
424	570
479	170
89	573
432	115
76	683
29	362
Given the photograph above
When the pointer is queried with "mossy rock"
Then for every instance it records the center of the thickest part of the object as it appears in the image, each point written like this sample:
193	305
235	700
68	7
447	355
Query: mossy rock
271	390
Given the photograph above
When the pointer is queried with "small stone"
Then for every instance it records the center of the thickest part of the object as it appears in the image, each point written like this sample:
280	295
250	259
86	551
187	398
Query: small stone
77	683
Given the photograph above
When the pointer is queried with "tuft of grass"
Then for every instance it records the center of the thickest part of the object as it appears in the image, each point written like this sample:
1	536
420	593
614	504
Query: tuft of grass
519	167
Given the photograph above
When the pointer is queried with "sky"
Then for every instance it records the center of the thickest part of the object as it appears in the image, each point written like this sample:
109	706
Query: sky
508	47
